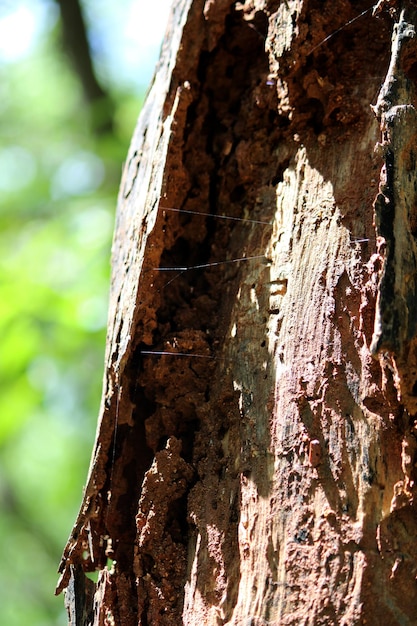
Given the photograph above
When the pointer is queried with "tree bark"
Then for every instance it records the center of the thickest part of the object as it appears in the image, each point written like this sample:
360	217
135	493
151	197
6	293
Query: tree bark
256	450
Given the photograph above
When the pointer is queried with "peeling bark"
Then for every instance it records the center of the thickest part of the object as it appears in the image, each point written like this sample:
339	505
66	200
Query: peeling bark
256	450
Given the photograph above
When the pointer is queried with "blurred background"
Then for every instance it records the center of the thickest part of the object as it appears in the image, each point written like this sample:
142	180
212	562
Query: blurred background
71	87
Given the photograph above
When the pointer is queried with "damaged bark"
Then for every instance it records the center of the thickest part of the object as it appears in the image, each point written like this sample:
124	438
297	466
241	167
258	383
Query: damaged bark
256	448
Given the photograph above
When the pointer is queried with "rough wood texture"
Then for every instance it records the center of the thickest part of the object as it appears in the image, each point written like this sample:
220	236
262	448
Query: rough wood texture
263	473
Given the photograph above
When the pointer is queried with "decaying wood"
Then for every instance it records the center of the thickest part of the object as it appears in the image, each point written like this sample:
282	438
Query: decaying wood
79	597
256	450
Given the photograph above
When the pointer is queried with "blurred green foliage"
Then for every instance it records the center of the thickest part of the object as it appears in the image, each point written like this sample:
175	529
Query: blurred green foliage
58	187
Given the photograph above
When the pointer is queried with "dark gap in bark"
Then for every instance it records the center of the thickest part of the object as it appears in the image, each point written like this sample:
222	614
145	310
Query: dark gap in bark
177	525
279	176
323	75
182	394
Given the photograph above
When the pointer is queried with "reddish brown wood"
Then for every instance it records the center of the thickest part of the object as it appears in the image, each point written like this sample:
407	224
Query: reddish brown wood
263	473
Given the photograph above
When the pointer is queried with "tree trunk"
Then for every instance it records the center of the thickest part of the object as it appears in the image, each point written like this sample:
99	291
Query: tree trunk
256	451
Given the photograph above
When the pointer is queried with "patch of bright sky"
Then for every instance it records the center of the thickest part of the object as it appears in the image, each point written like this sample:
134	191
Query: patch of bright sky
17	168
22	24
125	36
